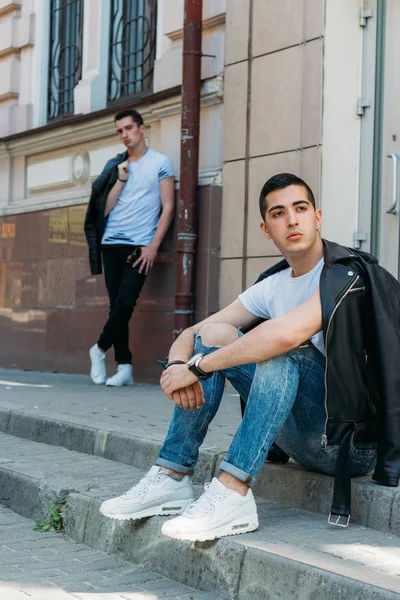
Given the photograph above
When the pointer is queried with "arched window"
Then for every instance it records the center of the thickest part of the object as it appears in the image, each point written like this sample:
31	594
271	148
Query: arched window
65	56
132	48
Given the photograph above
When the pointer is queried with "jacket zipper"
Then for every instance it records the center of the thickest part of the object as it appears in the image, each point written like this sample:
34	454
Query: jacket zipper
324	437
355	290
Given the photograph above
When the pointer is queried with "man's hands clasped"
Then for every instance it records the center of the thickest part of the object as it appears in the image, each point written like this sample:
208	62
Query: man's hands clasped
183	387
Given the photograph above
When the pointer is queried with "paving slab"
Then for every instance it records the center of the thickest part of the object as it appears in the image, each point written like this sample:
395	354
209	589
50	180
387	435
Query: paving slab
57	568
294	554
129	424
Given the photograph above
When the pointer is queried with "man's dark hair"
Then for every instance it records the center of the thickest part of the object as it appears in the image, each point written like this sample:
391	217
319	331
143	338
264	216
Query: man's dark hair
129	112
279	182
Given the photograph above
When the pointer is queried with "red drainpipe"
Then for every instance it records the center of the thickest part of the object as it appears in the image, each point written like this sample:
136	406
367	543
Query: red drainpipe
190	126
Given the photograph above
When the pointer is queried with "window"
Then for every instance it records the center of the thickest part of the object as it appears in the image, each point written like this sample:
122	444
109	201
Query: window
132	48
65	56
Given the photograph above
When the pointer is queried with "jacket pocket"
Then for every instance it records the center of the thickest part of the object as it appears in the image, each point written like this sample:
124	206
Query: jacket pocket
357	290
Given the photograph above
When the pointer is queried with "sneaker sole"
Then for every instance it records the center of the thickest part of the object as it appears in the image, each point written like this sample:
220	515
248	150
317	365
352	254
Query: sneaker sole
169	508
97	382
130	382
242	525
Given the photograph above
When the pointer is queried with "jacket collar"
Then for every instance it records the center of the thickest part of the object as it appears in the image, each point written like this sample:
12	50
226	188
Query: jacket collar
333	252
120	158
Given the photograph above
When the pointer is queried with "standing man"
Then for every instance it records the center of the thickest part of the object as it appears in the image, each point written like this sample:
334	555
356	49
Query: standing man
130	210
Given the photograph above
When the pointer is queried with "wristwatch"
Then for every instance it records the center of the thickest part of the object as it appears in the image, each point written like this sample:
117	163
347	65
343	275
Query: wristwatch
193	366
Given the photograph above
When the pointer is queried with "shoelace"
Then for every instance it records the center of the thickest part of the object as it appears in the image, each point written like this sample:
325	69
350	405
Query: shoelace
140	488
205	503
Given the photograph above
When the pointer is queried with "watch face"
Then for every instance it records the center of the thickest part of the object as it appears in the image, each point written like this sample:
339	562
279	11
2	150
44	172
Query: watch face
192	361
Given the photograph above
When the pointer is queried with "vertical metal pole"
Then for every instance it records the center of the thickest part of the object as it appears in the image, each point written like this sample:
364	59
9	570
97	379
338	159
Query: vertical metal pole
378	125
190	125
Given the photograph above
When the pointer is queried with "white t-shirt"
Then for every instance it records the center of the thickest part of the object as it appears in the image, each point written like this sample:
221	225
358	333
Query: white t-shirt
280	293
135	217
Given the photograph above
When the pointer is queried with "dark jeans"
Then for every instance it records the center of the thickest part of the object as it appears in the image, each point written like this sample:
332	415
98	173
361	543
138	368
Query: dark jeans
124	285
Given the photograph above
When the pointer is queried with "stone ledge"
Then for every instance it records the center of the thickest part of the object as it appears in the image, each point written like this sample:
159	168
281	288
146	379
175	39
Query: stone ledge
90	129
293	550
372	505
9	6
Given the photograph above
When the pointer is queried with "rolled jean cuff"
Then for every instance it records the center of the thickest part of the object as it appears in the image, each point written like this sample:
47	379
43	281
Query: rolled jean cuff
161	462
238	473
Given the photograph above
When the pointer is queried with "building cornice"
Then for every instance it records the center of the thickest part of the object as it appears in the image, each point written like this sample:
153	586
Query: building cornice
208	24
9	96
9	7
64	198
10	52
72	120
61	200
90	129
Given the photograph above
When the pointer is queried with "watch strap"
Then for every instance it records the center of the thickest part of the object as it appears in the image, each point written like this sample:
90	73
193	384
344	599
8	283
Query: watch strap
200	374
203	374
175	362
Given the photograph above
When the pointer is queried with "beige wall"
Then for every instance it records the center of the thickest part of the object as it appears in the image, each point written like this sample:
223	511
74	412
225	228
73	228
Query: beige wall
40	170
16	43
168	64
273	121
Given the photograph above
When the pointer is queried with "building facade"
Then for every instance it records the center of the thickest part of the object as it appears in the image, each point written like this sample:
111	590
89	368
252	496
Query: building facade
305	86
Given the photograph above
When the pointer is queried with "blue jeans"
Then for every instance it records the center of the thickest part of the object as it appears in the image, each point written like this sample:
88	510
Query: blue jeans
285	402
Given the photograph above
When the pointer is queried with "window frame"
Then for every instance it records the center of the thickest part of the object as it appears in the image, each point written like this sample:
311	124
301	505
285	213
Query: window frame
65	56
131	63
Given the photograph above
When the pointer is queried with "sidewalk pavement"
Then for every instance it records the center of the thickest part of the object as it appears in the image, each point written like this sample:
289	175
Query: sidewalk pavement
57	434
50	566
142	410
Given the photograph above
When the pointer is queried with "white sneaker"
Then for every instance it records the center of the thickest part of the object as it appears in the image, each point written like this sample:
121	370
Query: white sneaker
98	369
155	494
218	512
123	376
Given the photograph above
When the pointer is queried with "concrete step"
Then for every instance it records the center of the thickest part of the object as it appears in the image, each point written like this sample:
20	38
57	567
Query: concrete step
125	424
372	505
51	566
294	554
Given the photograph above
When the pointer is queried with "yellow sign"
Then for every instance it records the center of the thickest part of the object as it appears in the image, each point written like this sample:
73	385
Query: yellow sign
8	230
76	222
58	226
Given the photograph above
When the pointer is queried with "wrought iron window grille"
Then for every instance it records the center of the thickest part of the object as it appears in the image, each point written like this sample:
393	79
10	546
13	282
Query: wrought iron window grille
132	48
65	56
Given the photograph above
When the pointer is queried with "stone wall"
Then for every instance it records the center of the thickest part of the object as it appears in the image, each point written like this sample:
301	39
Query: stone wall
52	310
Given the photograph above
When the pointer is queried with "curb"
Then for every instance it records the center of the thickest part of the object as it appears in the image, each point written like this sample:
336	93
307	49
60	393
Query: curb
372	505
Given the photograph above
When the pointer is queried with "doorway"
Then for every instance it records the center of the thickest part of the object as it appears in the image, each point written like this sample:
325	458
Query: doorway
385	217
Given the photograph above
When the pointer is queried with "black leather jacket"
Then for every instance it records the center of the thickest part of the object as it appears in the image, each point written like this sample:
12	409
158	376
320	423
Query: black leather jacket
361	324
95	221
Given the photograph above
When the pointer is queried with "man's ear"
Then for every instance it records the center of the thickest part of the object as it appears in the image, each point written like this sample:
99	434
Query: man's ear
264	230
318	218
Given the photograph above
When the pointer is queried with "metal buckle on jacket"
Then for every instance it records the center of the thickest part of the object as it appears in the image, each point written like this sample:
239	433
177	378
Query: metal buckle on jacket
336	520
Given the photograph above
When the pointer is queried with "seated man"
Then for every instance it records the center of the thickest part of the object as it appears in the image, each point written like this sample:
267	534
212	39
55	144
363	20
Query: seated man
279	368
